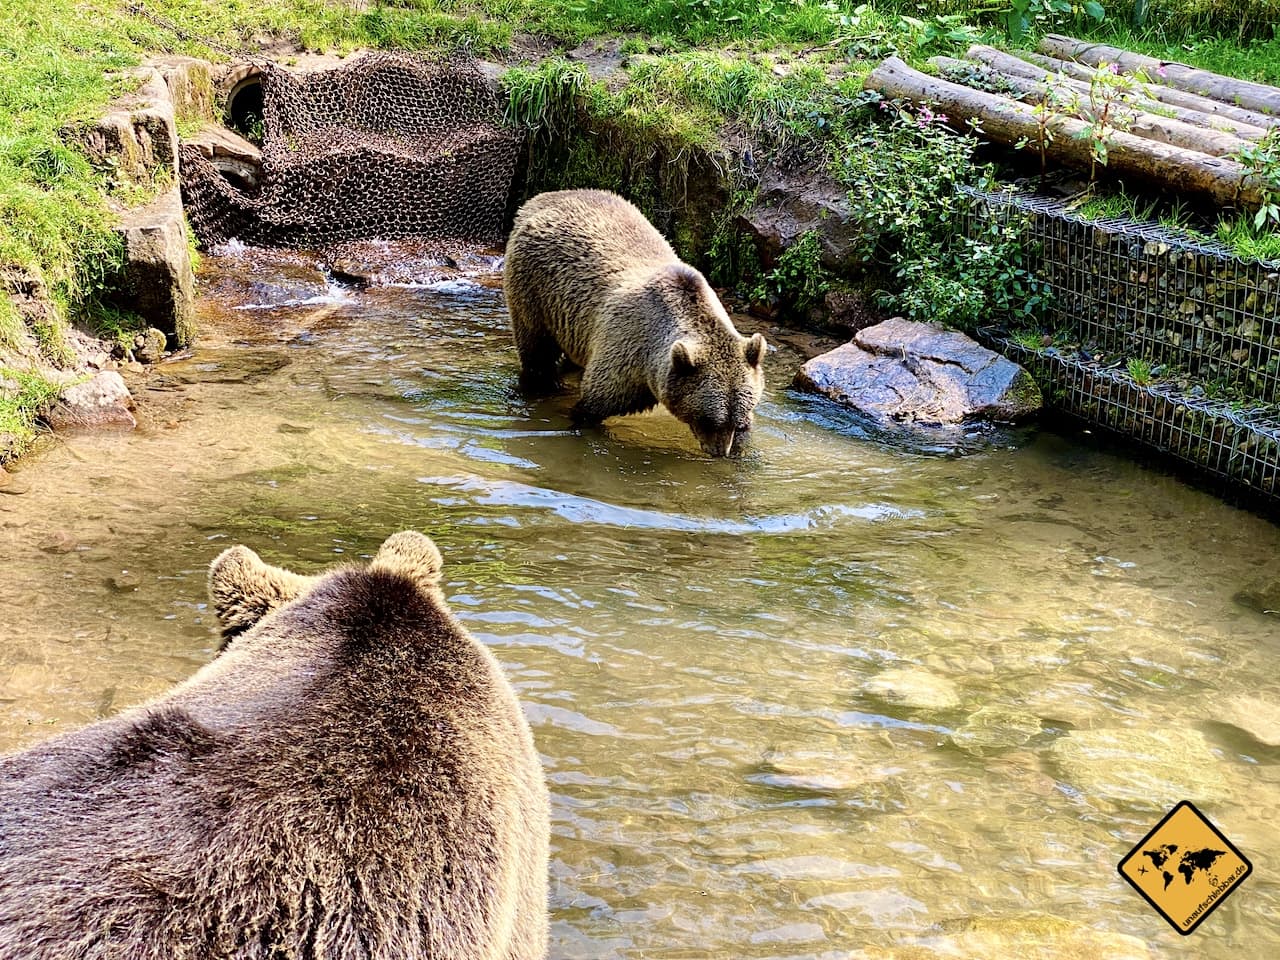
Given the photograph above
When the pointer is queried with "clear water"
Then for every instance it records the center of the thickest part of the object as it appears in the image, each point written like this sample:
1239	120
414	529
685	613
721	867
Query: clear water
700	645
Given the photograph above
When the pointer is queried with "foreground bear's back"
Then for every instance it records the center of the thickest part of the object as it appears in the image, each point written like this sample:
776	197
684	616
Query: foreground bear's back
352	779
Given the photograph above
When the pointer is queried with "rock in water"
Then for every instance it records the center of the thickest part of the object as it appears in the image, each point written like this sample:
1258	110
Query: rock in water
1150	767
914	688
901	371
1257	717
149	346
991	729
11	484
102	401
1262	596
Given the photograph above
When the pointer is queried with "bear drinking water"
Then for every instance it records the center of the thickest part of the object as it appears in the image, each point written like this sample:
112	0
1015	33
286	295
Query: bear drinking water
589	278
352	777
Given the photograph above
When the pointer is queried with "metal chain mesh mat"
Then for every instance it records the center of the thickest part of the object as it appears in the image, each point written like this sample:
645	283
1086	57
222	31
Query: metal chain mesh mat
389	146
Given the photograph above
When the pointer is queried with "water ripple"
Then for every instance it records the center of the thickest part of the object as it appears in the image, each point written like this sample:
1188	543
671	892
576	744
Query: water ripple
577	509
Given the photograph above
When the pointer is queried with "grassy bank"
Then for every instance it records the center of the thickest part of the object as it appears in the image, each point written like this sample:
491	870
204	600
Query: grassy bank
61	62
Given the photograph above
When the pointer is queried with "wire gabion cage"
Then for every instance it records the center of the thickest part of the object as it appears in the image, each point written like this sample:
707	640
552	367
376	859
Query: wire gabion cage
1138	290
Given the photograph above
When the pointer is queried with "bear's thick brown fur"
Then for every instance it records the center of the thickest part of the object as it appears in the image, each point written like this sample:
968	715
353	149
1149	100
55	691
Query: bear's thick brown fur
589	278
352	777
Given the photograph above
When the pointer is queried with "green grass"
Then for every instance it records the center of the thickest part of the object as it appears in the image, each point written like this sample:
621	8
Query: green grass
1238	233
1139	370
19	410
1248	241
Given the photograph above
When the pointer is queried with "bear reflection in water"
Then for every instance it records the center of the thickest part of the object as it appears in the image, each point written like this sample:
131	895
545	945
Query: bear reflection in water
589	280
351	777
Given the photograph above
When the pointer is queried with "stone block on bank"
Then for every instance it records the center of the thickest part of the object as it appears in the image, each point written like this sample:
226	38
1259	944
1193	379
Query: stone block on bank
138	136
237	159
157	280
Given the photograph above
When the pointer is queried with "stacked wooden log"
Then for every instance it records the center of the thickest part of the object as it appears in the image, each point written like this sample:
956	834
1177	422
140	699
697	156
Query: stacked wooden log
1172	125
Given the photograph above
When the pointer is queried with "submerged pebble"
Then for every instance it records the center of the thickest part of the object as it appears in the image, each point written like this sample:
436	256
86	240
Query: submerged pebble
993	728
1257	717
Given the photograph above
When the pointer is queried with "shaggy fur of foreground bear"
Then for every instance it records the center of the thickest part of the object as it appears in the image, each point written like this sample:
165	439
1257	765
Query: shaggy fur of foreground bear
352	778
587	276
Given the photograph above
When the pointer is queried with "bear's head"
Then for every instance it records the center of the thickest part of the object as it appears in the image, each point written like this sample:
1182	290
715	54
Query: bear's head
244	589
716	375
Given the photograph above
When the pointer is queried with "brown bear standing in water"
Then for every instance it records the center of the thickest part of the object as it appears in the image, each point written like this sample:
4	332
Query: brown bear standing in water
587	276
353	777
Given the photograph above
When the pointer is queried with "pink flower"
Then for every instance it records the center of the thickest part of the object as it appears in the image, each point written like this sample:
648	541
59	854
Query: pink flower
1113	67
1161	71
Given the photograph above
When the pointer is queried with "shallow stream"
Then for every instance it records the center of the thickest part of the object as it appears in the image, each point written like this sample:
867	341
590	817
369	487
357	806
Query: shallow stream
839	694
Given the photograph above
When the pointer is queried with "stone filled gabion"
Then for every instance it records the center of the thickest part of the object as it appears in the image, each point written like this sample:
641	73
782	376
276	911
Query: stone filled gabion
389	146
1139	290
1128	290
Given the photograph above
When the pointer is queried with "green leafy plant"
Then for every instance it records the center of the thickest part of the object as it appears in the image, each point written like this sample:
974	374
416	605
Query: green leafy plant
945	30
1140	371
971	280
1261	160
1020	16
1109	89
798	278
904	176
1059	101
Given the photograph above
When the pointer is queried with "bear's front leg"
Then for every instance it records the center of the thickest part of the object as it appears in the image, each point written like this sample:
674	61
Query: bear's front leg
603	396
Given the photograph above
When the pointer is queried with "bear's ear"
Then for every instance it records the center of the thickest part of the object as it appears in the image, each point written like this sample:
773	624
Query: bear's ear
754	350
244	590
684	358
410	554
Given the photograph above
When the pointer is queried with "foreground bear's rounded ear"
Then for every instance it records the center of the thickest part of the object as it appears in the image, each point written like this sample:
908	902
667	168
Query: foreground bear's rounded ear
243	589
410	554
754	350
230	571
684	359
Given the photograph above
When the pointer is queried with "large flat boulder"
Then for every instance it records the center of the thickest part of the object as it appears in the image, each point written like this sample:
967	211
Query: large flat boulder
900	371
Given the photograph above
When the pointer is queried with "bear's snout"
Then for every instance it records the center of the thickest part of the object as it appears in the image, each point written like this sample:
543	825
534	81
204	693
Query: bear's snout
718	443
